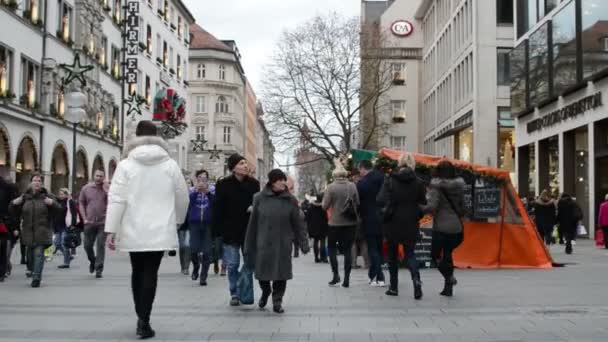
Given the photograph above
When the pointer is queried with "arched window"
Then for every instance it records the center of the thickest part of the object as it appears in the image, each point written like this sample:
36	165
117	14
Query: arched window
221	106
201	71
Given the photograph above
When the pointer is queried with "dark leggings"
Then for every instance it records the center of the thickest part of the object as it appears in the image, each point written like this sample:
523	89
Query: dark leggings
345	236
144	279
442	247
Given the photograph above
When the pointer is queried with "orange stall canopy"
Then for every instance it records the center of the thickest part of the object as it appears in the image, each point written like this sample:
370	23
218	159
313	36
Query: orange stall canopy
509	240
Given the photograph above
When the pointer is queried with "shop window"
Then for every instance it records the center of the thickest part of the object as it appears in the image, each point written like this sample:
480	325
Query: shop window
594	30
518	77
6	66
149	39
564	49
504	11
465	144
538	64
503	68
148	91
506	140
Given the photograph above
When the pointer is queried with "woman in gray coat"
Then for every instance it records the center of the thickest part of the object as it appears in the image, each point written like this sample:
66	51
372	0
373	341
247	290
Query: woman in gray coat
446	203
342	227
274	224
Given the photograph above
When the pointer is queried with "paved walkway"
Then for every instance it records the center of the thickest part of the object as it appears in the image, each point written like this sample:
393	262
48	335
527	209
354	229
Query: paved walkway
564	304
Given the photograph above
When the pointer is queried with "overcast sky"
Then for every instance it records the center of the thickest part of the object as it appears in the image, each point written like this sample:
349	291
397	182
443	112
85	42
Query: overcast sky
255	25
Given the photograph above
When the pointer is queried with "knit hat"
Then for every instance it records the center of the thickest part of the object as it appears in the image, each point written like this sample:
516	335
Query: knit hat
233	160
339	171
276	175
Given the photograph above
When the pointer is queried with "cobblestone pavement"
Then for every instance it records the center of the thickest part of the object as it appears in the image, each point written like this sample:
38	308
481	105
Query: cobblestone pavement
563	304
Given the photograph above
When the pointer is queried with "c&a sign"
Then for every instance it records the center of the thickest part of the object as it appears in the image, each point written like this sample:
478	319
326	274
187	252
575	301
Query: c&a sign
132	38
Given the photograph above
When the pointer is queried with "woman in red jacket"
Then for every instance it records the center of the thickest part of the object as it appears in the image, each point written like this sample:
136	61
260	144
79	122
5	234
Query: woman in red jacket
602	220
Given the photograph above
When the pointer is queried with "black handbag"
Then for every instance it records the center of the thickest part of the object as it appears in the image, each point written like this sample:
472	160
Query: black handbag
349	210
72	238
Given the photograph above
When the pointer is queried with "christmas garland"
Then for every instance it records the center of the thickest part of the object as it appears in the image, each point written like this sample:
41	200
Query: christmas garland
387	165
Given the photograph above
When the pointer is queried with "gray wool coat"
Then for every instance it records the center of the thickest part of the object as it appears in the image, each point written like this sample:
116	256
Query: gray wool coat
445	219
274	224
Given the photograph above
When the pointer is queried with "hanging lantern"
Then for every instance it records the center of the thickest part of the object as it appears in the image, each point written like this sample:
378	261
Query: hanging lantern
102	55
91	43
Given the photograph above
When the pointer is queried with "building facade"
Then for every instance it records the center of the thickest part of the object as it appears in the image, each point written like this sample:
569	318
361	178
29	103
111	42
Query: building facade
558	87
264	146
217	102
400	44
465	84
251	123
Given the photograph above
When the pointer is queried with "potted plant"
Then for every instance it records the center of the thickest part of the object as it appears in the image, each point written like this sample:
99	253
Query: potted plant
142	46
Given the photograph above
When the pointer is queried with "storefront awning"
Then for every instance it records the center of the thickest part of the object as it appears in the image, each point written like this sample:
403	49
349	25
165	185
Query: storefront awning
452	131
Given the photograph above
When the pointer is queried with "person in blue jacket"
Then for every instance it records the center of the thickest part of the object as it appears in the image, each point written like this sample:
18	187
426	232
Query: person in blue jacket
199	223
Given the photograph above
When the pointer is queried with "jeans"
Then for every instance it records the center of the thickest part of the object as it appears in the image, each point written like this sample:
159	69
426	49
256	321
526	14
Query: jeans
393	262
345	236
374	248
94	235
144	278
277	290
200	245
184	248
58	241
35	258
318	246
232	259
67	255
442	247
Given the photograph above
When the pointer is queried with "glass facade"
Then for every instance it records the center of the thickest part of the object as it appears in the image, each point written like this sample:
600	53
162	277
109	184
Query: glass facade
564	49
538	62
594	36
518	72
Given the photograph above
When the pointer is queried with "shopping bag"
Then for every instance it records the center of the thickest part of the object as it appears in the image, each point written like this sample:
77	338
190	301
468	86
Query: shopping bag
245	285
581	230
599	238
49	253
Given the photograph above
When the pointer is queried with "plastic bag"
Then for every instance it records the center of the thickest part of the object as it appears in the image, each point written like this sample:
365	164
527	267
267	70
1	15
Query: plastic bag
245	286
581	230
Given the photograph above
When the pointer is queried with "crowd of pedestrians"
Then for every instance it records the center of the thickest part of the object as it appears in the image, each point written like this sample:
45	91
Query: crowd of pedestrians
372	215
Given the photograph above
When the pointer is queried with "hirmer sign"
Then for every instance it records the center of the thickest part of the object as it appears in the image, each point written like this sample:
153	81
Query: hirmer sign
132	37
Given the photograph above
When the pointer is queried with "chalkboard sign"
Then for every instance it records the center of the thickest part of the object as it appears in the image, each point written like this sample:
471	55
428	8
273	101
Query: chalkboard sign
487	200
468	199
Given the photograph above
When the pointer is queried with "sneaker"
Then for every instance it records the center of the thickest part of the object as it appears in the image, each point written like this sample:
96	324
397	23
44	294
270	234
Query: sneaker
99	274
235	301
393	293
91	267
146	331
35	283
203	283
278	309
380	284
63	266
371	283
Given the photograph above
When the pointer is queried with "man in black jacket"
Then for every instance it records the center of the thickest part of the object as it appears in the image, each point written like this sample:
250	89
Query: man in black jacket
232	206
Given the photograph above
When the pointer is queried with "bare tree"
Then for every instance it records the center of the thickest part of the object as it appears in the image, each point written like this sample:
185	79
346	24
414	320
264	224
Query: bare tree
315	78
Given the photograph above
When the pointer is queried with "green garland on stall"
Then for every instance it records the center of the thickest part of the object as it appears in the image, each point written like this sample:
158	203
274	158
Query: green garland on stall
387	165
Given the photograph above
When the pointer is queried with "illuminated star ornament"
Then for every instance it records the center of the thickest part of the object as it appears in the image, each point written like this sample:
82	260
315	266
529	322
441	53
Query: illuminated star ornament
134	103
215	153
75	71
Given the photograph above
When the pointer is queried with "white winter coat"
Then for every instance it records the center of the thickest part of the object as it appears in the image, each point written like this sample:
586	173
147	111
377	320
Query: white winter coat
148	198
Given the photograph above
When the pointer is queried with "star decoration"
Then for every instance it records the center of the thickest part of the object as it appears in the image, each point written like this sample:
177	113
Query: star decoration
75	71
198	145
134	103
215	153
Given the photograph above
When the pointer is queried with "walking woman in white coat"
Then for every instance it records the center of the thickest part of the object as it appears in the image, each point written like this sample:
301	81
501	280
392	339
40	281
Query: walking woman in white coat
147	201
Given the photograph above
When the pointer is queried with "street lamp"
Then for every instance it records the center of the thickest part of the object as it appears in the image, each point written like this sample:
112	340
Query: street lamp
75	102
